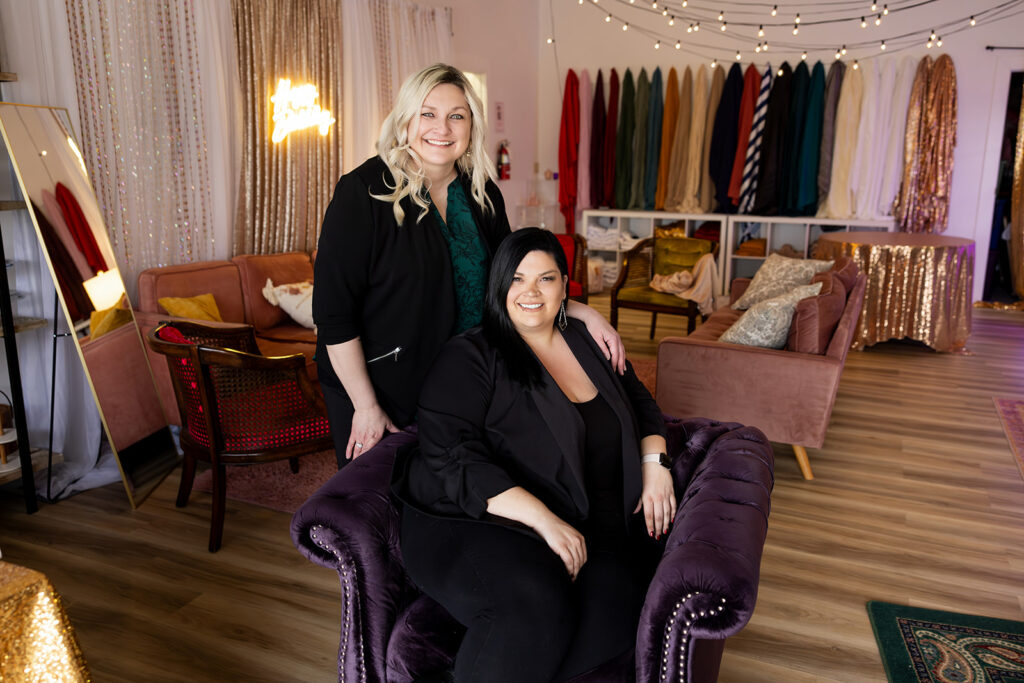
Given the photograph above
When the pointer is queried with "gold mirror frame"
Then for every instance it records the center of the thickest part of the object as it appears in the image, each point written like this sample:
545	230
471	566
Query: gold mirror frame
41	139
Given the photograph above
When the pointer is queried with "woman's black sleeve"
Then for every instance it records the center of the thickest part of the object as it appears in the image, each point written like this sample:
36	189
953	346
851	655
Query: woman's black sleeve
341	274
648	415
452	422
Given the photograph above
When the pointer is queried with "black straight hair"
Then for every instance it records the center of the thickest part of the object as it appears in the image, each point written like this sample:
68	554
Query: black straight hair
523	366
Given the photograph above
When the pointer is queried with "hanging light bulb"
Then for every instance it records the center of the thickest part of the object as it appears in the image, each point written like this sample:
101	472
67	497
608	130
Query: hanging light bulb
928	44
882	46
878	20
796	29
689	29
581	2
724	24
803	57
721	15
654	5
863	23
932	36
625	27
738	56
760	31
838	54
608	19
856	65
678	45
758	48
885	10
780	72
696	27
843	50
874	6
939	42
714	63
550	40
797	21
973	22
775	10
657	45
685	4
671	21
765	46
664	12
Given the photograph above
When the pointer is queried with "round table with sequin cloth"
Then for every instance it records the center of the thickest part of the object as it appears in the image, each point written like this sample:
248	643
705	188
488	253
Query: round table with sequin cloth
37	642
919	286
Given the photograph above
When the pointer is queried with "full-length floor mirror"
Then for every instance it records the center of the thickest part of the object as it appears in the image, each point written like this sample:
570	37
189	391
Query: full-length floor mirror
70	228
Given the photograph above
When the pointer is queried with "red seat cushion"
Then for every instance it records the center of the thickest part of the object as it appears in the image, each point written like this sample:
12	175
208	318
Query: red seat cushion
575	288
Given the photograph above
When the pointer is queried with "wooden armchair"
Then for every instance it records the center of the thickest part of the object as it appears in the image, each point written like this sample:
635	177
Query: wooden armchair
237	407
664	256
575	248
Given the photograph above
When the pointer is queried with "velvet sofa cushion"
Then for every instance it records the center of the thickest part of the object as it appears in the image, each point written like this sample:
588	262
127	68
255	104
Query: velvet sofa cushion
424	641
778	275
847	271
673	254
766	324
255	269
815	318
716	324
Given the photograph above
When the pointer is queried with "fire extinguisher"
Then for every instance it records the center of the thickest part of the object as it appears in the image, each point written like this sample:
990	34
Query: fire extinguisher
504	164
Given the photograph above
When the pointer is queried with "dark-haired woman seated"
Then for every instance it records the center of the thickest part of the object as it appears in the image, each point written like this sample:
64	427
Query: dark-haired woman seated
538	496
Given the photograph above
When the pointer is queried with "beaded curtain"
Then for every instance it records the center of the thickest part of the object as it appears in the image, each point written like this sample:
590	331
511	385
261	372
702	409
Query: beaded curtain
285	187
142	128
1017	211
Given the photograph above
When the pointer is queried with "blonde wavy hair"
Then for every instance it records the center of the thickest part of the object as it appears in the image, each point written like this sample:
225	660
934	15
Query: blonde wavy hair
406	167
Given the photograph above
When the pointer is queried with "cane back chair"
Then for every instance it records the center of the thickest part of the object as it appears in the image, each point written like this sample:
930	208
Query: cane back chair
237	407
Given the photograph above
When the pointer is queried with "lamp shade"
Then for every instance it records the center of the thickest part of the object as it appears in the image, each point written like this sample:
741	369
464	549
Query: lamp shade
105	289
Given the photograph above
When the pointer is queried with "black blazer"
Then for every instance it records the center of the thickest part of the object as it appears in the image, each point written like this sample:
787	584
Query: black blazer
481	433
390	285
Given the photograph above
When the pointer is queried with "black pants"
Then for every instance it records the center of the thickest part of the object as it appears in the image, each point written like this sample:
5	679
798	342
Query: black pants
526	620
339	416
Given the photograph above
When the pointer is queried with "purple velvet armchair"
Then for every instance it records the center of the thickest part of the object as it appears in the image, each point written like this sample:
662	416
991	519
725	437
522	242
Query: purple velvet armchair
704	589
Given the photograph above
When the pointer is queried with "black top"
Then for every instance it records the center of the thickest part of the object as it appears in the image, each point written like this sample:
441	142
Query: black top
602	474
390	285
481	433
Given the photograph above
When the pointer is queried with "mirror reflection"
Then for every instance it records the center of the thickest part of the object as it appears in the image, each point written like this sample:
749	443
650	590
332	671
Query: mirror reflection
72	234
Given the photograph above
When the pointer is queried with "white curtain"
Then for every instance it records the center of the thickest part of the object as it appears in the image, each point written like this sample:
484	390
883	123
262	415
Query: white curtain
35	36
384	42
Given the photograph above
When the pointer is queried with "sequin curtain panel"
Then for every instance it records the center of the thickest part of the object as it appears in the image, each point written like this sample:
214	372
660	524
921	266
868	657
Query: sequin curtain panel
385	41
1017	213
143	128
922	204
285	187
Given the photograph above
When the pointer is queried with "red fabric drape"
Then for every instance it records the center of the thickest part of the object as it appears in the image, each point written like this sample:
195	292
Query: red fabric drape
751	89
568	150
80	230
611	124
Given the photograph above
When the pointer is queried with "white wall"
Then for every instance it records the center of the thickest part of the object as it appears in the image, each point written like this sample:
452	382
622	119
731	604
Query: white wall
583	40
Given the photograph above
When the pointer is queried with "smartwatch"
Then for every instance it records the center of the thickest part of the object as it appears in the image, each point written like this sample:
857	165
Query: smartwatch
660	458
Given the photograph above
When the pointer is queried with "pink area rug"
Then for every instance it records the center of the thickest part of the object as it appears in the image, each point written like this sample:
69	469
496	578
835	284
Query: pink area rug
1011	412
272	484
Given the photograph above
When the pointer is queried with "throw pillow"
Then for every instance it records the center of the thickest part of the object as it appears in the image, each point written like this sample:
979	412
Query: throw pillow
108	320
847	271
766	323
816	317
295	299
777	275
201	307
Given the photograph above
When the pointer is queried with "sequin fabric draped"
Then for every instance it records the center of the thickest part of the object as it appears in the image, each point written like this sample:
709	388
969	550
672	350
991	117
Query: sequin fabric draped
285	187
143	135
38	643
922	204
1017	213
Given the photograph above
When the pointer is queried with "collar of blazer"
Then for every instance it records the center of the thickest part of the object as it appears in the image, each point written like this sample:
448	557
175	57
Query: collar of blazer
566	425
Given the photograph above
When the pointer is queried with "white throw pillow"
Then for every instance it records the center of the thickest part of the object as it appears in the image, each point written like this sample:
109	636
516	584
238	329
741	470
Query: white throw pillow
295	299
766	323
777	275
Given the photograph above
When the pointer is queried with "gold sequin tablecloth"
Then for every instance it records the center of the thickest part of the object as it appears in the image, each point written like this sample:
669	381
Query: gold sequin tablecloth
919	286
36	639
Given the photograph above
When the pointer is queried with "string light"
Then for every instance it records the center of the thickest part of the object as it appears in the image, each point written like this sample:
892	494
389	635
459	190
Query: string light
973	22
932	36
885	10
780	72
678	45
843	50
714	63
874	6
928	44
550	40
863	23
689	29
775	10
796	29
721	15
625	27
797	21
838	54
803	56
758	48
672	21
696	27
765	46
724	24
939	41
856	65
657	45
878	20
664	12
608	19
654	5
760	31
738	56
684	4
882	46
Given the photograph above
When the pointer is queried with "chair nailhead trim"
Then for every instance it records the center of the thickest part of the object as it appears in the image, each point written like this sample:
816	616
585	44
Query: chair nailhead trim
346	607
681	614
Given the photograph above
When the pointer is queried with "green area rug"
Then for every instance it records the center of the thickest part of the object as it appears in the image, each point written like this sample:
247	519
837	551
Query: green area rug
945	647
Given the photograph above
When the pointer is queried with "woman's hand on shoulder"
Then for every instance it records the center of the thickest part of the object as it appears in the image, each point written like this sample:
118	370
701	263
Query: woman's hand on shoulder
368	427
658	498
565	540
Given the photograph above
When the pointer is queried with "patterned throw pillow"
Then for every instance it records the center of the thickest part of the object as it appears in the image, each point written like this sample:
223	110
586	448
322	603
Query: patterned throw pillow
777	275
295	299
766	323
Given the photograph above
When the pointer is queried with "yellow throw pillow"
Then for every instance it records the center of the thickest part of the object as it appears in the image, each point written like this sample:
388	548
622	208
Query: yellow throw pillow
201	307
107	320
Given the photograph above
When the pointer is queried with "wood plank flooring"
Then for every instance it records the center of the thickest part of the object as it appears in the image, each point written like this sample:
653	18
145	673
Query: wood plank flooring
917	500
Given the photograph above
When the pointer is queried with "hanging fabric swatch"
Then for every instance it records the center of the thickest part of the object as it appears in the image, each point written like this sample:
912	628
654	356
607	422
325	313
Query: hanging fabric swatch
624	143
599	116
707	187
655	113
923	204
806	181
724	138
583	163
794	133
839	203
860	172
833	83
892	164
639	151
611	132
679	161
751	89
752	162
766	202
869	185
80	229
669	121
568	150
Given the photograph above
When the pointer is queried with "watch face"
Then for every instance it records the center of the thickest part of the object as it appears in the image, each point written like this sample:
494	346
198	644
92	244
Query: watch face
665	461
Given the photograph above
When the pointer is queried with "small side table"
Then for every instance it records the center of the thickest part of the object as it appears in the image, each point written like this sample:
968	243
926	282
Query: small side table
919	286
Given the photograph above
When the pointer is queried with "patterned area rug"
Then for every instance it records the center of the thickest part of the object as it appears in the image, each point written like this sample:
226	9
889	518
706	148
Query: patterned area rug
924	645
272	484
646	371
1011	412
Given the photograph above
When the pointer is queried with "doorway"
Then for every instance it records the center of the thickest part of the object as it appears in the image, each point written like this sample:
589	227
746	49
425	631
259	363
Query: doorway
998	284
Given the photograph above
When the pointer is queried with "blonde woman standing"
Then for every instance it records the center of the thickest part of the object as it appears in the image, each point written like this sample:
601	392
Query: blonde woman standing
403	259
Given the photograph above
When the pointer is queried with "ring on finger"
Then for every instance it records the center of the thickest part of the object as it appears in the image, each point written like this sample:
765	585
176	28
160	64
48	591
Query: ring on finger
358	445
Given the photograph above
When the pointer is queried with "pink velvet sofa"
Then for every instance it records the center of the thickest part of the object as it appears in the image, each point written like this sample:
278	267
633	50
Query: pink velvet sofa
237	287
786	393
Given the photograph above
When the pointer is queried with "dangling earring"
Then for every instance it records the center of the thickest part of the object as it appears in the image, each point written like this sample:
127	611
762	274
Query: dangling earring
562	322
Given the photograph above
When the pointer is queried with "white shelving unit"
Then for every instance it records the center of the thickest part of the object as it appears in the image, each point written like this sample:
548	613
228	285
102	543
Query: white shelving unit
637	225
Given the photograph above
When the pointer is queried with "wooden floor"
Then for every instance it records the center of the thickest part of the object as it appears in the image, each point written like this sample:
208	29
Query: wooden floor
917	500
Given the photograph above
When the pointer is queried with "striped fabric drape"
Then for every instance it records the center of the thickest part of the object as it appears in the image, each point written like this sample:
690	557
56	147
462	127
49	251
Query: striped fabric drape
748	188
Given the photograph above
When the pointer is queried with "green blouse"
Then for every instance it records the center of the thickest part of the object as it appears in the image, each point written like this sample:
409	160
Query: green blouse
469	257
